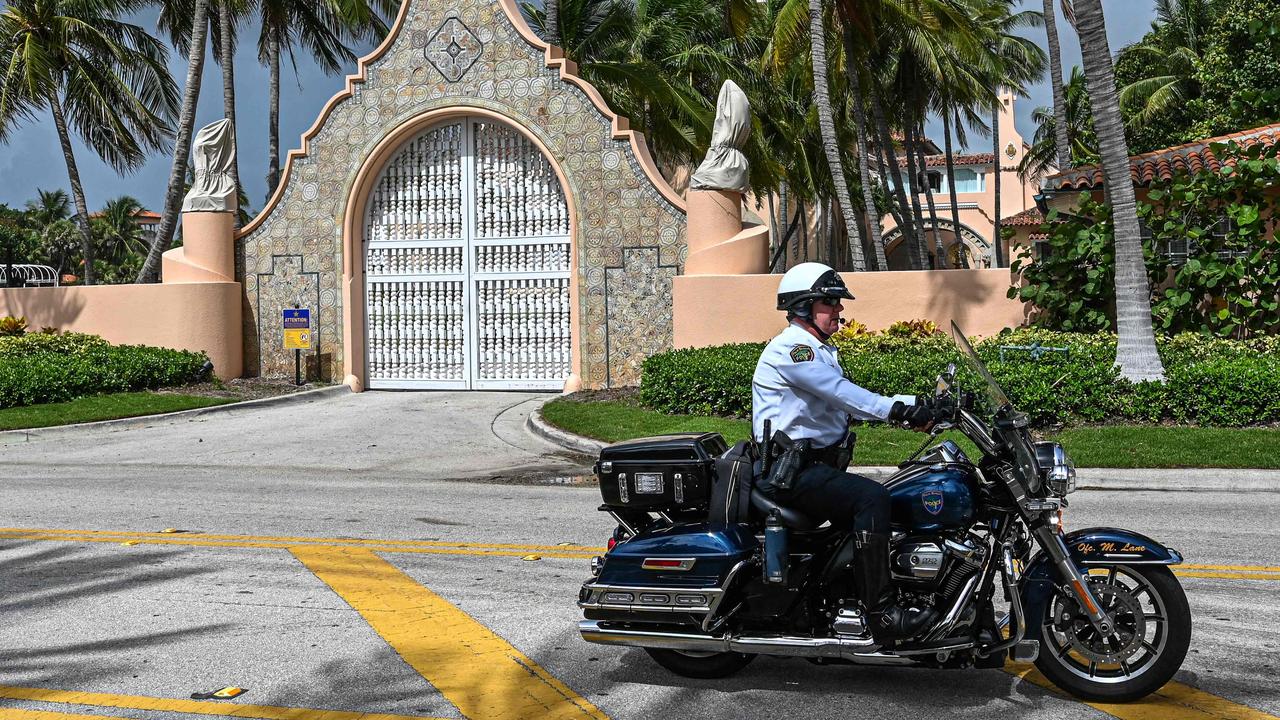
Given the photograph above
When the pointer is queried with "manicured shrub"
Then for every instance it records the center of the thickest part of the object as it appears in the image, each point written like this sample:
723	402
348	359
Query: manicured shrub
42	368
701	381
1210	381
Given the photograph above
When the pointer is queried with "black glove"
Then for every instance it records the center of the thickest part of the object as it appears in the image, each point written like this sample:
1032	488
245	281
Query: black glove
916	416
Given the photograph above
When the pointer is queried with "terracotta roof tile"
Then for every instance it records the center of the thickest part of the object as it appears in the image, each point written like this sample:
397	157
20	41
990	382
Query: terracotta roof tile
941	160
1030	217
1164	164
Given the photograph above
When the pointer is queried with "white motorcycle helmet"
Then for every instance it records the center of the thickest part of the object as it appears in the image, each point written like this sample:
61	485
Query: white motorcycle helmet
806	282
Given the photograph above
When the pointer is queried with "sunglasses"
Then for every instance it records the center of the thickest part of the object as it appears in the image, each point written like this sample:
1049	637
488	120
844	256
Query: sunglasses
829	302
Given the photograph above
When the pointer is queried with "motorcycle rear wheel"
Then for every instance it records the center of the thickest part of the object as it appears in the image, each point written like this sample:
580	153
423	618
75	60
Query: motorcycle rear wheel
1152	635
699	664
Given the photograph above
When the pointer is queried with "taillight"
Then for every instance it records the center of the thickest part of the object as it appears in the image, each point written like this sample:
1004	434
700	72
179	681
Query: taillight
613	542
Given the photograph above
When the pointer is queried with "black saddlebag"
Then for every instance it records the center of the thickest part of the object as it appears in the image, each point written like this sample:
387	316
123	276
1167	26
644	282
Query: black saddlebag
667	472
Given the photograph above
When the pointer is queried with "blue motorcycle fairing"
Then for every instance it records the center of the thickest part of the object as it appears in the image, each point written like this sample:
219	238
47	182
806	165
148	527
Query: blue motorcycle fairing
714	551
1090	547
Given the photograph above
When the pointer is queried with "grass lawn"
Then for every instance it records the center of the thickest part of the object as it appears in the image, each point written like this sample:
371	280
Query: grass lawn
1117	446
103	407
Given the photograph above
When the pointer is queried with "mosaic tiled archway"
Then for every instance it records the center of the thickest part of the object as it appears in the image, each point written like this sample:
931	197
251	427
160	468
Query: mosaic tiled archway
470	56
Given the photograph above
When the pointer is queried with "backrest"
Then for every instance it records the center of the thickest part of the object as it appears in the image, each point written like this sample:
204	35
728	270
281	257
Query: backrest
731	488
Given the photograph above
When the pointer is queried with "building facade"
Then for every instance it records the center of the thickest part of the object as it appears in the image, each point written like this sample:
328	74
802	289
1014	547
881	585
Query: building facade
467	213
975	195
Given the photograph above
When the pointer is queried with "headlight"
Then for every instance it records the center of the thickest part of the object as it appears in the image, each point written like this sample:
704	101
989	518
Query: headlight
1056	468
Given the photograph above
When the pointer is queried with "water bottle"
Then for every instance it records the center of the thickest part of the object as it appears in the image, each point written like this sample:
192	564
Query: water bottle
775	550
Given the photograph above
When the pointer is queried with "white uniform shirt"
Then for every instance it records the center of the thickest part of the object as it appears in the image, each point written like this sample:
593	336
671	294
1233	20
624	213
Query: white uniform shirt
799	387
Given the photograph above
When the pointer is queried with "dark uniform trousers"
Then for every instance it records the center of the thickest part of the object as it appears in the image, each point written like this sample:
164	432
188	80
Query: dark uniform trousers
848	501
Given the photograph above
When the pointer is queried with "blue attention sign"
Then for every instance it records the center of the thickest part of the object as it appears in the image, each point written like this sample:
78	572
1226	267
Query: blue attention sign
297	319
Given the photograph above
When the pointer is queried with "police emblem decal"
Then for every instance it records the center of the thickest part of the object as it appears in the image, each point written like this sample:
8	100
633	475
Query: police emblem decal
932	500
801	353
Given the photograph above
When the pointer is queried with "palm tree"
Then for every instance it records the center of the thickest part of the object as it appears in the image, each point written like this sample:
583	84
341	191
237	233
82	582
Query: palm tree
225	39
1015	61
1170	60
1061	143
47	217
189	31
103	78
49	207
325	28
552	10
826	121
1136	355
1082	142
869	208
118	231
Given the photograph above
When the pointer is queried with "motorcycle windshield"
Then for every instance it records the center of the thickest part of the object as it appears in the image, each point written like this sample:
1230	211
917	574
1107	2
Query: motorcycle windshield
995	393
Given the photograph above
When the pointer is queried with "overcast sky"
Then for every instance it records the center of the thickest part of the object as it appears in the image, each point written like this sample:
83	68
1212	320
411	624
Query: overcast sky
32	158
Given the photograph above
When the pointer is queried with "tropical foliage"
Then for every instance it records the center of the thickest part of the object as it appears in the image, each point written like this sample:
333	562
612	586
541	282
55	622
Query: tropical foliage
888	66
47	367
1212	381
1211	255
43	233
1206	68
102	78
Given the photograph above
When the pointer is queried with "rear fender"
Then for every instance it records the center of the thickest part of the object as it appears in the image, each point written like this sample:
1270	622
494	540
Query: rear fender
1089	548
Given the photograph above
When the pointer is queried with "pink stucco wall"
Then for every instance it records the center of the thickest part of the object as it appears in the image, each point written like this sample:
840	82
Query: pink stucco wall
718	309
192	316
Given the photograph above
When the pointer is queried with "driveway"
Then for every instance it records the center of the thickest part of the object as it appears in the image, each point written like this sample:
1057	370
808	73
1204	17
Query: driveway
404	435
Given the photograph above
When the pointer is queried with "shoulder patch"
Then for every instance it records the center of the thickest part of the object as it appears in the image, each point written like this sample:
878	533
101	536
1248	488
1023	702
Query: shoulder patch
801	353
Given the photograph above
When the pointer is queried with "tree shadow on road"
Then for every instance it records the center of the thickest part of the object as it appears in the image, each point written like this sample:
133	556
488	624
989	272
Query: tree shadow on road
39	582
47	577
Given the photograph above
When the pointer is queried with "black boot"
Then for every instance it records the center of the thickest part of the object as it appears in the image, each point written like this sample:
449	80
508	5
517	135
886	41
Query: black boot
888	620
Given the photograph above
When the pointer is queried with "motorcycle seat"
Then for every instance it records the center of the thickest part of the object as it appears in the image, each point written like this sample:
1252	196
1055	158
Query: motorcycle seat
791	518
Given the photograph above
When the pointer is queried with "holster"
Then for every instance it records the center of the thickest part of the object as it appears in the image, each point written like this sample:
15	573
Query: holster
789	458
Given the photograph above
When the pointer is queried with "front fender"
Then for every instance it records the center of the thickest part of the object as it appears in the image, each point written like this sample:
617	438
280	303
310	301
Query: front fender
1090	547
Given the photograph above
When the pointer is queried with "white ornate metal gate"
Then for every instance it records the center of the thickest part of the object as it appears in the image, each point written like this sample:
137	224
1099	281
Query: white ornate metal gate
467	264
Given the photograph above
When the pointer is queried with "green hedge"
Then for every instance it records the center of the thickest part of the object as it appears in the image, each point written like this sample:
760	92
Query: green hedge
1209	381
43	368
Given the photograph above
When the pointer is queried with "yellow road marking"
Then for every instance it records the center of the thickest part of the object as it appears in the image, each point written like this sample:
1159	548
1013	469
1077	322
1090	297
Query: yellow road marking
1226	575
436	547
296	540
480	673
191	707
1174	701
1246	568
195	541
15	714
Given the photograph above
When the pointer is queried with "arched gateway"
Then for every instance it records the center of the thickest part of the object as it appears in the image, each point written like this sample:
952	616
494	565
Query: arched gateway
468	213
466	260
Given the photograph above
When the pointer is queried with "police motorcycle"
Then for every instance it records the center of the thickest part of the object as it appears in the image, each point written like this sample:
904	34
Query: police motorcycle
705	571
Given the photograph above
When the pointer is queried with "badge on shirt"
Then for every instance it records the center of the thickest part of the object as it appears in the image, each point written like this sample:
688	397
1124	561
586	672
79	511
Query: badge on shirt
801	353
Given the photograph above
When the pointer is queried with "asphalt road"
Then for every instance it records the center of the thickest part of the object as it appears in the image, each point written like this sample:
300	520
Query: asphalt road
419	555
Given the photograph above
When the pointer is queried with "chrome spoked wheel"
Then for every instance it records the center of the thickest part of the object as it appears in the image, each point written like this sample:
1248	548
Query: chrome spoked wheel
1150	637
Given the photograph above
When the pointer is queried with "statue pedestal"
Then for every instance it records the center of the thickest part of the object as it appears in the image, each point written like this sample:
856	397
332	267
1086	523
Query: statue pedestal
208	249
718	244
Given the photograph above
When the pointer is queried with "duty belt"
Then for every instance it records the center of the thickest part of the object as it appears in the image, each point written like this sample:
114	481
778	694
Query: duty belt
829	455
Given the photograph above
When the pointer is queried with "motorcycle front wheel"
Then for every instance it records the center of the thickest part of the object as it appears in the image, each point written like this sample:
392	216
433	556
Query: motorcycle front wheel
704	665
1151	635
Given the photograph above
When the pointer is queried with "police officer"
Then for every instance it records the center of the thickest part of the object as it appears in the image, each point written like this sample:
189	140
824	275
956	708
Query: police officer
800	389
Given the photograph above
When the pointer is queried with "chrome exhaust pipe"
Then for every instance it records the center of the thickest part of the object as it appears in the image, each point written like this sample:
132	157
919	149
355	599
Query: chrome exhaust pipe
853	649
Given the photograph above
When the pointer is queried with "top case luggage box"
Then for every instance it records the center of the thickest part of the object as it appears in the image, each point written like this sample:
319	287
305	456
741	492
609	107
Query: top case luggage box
667	472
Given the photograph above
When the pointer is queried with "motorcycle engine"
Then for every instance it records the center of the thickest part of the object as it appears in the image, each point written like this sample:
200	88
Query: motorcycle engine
936	563
917	560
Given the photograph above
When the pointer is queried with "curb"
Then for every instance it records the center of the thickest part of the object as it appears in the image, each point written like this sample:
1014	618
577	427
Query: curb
145	420
556	436
1103	479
